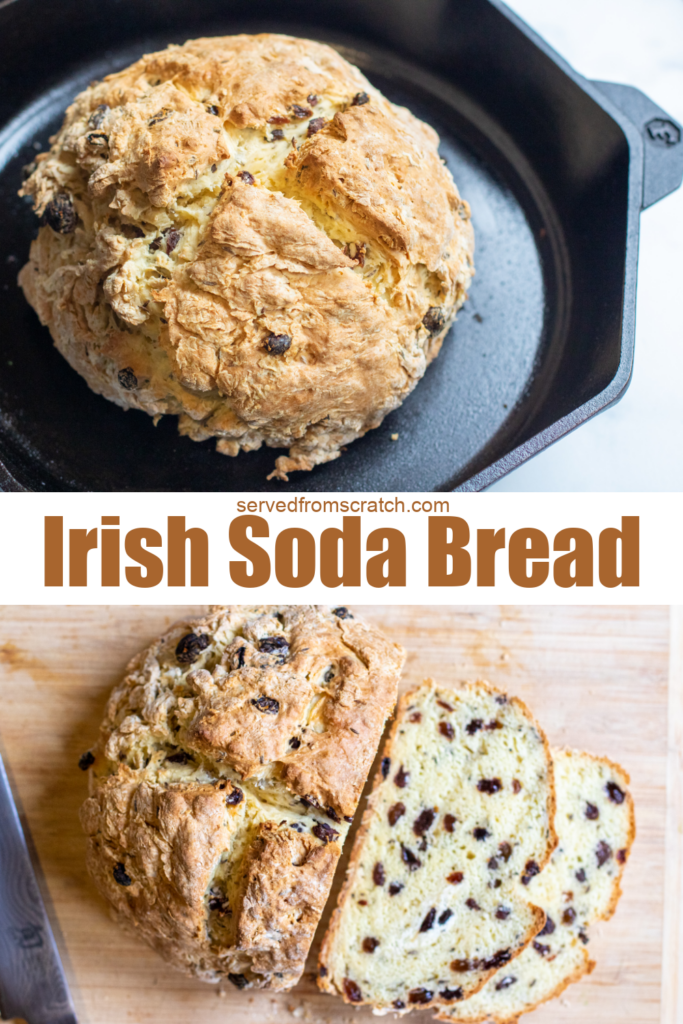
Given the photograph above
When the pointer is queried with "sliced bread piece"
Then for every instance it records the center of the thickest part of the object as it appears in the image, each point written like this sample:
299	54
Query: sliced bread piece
596	826
461	813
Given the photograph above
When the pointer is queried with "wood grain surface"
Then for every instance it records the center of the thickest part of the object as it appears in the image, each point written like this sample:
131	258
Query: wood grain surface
672	952
597	678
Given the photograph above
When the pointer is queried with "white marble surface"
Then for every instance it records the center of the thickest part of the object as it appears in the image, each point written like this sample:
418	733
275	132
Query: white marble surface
636	445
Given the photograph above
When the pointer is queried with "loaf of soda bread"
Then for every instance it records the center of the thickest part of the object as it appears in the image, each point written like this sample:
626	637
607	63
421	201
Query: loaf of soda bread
595	824
460	821
244	233
229	765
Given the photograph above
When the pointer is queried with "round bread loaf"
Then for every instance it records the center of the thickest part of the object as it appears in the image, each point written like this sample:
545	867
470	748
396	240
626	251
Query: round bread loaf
229	765
243	232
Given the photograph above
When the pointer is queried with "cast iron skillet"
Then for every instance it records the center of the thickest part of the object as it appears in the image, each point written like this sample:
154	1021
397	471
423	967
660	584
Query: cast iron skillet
556	168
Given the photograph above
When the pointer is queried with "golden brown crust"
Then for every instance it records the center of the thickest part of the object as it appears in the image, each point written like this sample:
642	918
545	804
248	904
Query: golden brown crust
288	879
229	761
168	840
377	168
338	722
347	235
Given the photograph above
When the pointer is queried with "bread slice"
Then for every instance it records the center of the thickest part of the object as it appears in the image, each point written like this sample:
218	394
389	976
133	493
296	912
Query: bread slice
229	765
459	822
596	826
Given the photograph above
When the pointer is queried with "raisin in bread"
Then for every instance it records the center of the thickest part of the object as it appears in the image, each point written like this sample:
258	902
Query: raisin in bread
459	822
244	233
229	764
581	884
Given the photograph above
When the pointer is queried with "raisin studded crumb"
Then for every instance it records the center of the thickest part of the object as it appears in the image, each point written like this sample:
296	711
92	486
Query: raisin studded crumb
121	876
190	647
352	991
395	812
238	980
299	112
267	705
218	903
434	319
616	795
409	859
127	379
428	922
450	994
424	821
60	215
324	832
531	869
85	760
179	757
489	785
273	645
603	852
420	995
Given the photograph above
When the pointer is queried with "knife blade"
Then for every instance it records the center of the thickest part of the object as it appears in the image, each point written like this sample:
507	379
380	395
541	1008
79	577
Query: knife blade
33	985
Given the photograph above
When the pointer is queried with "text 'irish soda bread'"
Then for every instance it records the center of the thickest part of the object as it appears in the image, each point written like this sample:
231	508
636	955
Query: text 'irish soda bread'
595	827
230	761
459	822
243	232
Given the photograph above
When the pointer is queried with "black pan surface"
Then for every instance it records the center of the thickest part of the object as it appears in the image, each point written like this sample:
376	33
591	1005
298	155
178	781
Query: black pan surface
538	337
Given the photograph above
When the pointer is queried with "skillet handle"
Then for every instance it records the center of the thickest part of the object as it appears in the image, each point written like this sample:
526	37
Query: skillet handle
662	140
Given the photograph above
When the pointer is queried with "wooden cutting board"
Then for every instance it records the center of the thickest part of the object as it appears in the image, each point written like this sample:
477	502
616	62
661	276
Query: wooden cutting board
597	678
